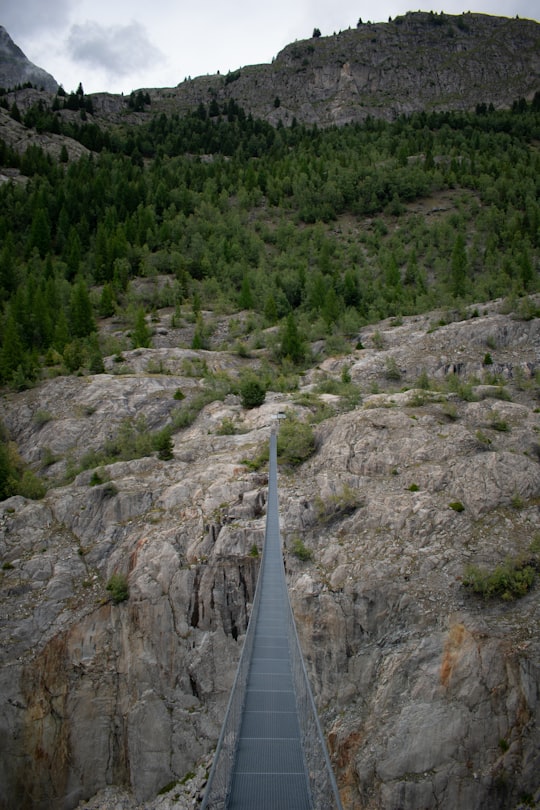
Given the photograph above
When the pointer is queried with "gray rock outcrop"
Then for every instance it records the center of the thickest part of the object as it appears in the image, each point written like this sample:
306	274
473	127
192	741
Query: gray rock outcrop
428	695
417	62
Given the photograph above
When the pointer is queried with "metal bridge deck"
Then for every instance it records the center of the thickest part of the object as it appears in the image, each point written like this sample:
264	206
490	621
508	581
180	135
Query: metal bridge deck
269	771
266	758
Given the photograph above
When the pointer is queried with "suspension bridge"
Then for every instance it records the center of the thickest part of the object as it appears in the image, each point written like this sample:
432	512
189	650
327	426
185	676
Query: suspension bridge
271	753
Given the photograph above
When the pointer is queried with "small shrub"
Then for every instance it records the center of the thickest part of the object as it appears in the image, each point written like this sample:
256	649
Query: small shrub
496	391
254	550
418	399
110	490
253	393
348	392
345	375
457	506
319	409
413	488
499	424
482	438
48	458
488	360
164	444
295	442
450	410
392	371
343	503
460	387
118	587
95	479
7	566
517	501
534	547
41	418
300	550
423	381
260	459
226	428
167	788
504	745
156	367
509	580
179	395
30	486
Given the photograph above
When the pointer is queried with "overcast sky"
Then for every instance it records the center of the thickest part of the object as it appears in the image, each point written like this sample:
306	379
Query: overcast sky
123	45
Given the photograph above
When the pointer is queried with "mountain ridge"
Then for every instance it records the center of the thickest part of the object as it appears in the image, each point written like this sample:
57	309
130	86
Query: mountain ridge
17	69
420	61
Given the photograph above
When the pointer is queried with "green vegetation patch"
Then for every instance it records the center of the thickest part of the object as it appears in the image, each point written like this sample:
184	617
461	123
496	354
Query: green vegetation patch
300	550
295	441
339	505
118	588
510	580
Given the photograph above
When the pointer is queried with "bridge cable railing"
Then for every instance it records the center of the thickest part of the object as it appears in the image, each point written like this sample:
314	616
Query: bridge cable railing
322	783
218	786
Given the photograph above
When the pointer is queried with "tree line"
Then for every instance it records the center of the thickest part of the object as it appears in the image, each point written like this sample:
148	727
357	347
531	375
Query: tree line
323	230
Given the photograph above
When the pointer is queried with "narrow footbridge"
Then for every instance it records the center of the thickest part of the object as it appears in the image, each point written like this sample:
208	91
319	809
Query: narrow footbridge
271	753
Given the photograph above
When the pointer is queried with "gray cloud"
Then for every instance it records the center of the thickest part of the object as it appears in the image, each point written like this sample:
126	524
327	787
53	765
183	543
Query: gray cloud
23	17
117	49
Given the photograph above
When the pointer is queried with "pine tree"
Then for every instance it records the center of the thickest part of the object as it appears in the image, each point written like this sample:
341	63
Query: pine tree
7	473
141	336
81	314
164	445
40	233
270	309
245	300
106	301
7	266
12	352
458	267
292	345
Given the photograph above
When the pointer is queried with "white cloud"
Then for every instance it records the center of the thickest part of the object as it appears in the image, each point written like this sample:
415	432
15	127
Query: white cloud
119	50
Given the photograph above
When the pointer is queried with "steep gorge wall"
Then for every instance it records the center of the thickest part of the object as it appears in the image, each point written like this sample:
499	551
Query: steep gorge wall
429	696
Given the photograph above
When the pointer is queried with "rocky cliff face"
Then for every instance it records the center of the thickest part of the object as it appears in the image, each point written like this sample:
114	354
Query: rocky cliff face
429	696
416	63
16	69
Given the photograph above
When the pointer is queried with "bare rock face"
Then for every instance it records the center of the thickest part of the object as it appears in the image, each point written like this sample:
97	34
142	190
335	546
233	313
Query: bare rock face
416	62
19	137
428	695
16	69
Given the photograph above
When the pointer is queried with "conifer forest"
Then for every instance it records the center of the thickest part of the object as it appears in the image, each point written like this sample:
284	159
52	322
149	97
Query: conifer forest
317	232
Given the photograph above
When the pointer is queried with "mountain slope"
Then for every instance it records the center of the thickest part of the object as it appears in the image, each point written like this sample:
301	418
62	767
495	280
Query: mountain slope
16	69
417	62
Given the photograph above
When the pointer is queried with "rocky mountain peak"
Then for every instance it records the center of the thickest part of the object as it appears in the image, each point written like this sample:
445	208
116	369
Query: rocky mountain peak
16	68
